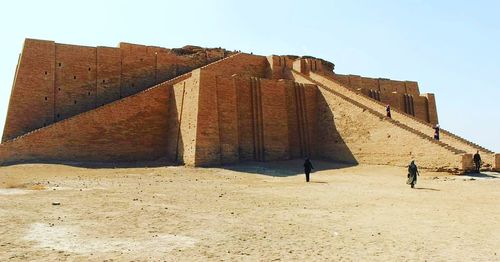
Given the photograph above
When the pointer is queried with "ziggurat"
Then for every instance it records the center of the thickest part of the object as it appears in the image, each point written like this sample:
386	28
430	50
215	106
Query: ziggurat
207	107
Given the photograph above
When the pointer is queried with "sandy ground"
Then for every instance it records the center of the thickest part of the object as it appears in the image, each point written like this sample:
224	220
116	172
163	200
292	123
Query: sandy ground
259	212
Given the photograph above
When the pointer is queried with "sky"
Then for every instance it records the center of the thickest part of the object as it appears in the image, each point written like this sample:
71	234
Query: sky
450	47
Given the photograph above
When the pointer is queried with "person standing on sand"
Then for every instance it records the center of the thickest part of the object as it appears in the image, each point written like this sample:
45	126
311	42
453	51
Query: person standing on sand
477	161
307	168
388	110
412	174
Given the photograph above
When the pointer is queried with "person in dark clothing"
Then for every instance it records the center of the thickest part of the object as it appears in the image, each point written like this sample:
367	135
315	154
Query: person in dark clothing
388	110
412	174
477	161
307	168
436	132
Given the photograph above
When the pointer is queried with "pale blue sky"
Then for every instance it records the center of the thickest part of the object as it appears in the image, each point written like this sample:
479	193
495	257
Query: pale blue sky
450	47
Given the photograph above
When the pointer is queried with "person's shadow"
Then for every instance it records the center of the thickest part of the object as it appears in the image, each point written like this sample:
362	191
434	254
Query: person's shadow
426	188
482	175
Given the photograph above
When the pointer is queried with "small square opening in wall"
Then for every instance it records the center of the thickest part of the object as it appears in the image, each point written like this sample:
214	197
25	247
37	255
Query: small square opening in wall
46	72
59	64
46	98
90	68
58	115
74	77
104	81
89	93
133	85
44	124
74	102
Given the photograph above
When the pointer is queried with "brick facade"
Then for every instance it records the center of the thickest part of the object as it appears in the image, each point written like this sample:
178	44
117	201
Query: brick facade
140	103
393	92
57	81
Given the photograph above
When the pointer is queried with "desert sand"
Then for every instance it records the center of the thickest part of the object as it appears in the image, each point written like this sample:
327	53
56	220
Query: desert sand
248	212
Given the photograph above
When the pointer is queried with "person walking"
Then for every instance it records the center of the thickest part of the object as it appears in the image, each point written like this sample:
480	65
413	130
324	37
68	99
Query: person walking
436	132
412	174
307	168
388	110
477	161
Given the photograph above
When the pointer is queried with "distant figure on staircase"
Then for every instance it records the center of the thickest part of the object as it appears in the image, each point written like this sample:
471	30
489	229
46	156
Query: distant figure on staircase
388	110
412	174
436	132
477	161
307	168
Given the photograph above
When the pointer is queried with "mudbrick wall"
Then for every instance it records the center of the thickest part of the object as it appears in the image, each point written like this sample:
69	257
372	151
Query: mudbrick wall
352	134
132	129
246	115
403	95
84	104
183	112
56	81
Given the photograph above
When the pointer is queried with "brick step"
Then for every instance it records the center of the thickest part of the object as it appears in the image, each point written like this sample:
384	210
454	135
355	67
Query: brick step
168	82
382	116
461	142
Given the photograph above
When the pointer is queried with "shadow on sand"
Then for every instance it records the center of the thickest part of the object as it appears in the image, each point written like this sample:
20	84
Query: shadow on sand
426	188
274	168
318	182
483	175
284	168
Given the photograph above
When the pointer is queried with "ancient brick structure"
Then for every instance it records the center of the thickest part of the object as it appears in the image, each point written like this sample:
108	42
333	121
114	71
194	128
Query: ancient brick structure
204	107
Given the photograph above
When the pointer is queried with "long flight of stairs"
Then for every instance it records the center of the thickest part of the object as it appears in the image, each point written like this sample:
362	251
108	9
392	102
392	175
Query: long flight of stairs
446	135
450	141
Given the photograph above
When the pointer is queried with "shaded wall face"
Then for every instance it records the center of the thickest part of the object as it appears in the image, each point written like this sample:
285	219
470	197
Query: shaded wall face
330	143
182	120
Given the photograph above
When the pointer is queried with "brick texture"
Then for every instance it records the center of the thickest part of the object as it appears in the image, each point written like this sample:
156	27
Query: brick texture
350	134
392	92
132	129
56	81
496	162
31	104
137	103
